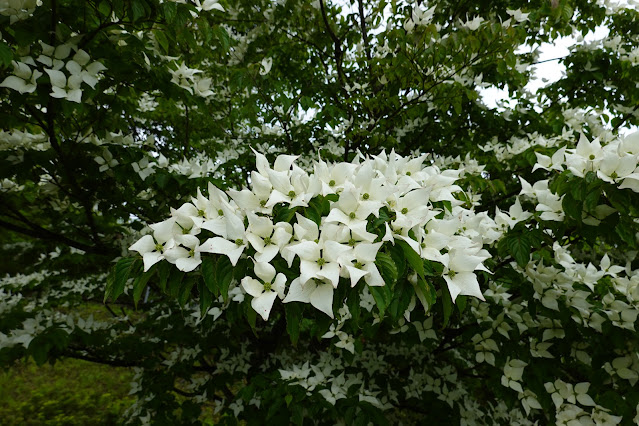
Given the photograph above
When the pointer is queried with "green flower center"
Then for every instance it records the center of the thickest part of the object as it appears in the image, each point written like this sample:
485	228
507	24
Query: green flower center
239	241
200	213
262	203
192	253
220	212
423	245
159	247
352	242
267	241
404	210
408	173
592	156
291	194
321	261
186	230
359	265
366	196
267	286
452	274
352	215
614	175
331	183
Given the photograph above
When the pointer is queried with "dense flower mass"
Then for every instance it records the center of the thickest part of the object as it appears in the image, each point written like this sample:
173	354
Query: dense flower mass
338	219
482	268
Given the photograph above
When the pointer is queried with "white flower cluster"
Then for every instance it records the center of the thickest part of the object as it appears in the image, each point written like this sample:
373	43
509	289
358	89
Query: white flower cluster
188	79
402	194
18	10
66	85
615	162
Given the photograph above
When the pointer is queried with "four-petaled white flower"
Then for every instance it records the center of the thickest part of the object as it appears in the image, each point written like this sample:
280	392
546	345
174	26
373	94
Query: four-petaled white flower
264	292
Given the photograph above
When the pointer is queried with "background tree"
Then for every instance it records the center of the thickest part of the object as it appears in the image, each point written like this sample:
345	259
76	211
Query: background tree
115	111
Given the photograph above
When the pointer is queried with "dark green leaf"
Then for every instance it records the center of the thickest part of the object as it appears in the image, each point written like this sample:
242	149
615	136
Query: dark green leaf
208	274
119	275
6	55
139	284
382	296
293	313
387	268
224	275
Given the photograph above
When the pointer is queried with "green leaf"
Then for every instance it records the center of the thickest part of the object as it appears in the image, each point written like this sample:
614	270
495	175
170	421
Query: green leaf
208	274
293	312
164	44
447	304
185	289
251	316
572	207
382	296
519	248
206	298
164	270
6	55
387	268
170	11
138	9
140	284
224	275
626	231
414	259
119	275
174	282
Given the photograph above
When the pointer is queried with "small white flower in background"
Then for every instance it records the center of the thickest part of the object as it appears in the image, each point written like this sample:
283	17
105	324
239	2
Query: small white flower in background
106	161
551	163
518	15
265	292
265	66
18	10
64	88
472	25
144	168
23	80
513	371
52	57
208	5
80	66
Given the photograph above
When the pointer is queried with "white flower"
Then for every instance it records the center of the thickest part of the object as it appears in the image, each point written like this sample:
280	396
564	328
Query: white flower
235	232
360	262
459	273
152	248
207	5
185	254
267	239
319	260
319	294
551	163
23	80
64	88
265	292
79	66
265	66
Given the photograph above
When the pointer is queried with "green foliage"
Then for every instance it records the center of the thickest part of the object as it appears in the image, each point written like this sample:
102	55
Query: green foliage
63	394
